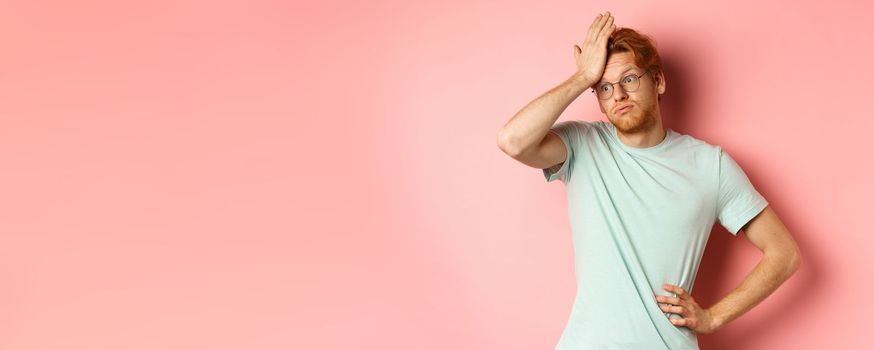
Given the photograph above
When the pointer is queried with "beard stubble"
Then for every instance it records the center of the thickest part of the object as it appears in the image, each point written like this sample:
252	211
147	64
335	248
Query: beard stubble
634	121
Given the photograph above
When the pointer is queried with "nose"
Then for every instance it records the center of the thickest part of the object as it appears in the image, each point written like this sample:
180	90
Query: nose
619	93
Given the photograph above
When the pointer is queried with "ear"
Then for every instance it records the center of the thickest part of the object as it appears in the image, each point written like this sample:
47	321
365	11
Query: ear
661	86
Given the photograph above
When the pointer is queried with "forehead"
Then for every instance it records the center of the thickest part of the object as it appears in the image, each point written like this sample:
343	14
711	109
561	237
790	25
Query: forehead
618	65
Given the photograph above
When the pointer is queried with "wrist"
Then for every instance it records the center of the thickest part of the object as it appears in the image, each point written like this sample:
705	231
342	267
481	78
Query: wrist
581	81
716	317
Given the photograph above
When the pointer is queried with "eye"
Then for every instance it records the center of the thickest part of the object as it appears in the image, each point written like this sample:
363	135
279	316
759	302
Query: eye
605	87
629	79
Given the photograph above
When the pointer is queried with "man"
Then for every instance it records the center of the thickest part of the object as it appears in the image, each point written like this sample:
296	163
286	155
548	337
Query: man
642	202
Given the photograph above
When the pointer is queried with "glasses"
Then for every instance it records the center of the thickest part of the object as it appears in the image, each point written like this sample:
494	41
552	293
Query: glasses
629	83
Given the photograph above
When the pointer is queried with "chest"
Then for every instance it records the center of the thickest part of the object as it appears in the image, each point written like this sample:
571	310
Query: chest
668	192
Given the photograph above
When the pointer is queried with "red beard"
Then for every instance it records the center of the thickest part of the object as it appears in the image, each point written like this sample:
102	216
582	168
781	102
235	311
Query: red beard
634	121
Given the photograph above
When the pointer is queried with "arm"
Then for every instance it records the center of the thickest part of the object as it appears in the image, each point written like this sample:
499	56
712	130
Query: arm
781	259
528	127
526	136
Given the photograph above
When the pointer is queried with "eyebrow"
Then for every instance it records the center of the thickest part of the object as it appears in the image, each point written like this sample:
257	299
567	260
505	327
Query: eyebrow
623	75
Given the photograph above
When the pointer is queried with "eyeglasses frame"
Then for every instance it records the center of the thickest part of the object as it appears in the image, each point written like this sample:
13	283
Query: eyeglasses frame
620	83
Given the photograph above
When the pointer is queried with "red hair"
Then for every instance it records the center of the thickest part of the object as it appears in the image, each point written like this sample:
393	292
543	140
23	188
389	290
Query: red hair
641	47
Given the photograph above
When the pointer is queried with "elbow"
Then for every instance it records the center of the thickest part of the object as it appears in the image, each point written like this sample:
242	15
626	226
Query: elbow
795	263
507	143
787	260
791	262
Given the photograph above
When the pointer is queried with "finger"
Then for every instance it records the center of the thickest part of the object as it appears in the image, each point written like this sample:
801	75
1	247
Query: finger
593	27
603	20
599	25
605	35
609	31
670	287
669	300
681	293
608	27
595	21
674	288
679	321
674	309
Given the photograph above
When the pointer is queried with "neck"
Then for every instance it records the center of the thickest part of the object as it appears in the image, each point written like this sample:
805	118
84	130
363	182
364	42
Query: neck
644	138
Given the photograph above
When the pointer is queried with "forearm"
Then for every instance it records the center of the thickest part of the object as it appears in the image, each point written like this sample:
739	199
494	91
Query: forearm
528	127
771	271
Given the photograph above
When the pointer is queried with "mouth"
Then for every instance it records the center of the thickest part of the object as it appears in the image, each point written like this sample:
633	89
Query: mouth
623	109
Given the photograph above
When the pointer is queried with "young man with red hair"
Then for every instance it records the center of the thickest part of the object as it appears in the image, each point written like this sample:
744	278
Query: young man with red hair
642	201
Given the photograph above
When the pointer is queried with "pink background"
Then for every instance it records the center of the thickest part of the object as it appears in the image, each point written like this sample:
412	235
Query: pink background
325	175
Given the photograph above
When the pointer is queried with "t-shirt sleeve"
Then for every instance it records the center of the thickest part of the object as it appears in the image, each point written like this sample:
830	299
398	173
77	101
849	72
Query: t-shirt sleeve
738	200
569	132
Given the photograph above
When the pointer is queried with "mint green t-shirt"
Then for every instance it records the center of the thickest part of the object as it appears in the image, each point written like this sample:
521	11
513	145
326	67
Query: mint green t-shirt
640	218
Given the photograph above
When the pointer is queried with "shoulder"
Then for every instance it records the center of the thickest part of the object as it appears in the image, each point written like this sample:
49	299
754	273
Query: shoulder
573	129
697	146
595	126
574	124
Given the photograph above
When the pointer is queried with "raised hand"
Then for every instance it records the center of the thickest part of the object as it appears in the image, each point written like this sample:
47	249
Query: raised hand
592	57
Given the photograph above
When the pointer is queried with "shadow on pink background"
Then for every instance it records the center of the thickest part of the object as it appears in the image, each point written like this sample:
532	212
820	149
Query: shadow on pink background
324	175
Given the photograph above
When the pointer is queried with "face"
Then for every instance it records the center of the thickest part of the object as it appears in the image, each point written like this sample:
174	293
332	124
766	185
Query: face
644	111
